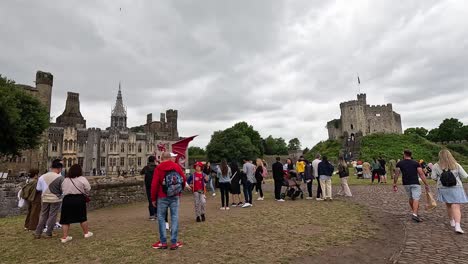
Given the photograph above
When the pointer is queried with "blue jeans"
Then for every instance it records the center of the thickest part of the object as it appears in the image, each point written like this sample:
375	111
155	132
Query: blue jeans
210	182
248	186
173	204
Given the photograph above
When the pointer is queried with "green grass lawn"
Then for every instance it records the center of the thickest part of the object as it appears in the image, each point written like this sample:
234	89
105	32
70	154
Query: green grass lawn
269	232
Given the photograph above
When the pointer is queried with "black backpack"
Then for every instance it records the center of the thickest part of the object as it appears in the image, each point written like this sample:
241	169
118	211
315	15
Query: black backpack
447	178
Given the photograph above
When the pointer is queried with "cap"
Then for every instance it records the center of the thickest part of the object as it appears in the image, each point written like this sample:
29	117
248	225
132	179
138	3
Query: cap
198	164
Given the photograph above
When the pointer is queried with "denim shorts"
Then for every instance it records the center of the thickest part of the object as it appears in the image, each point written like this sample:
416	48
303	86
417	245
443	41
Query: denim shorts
414	191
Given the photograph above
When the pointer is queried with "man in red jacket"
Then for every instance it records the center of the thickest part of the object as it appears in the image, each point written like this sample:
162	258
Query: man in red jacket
162	201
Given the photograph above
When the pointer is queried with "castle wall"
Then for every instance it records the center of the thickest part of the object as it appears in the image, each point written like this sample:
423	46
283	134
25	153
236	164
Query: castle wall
352	117
334	129
381	119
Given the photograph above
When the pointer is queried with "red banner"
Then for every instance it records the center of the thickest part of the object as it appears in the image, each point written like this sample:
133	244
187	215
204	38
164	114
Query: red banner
180	148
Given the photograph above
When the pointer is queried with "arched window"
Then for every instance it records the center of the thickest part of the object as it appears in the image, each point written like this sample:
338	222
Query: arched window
352	127
122	147
139	148
65	145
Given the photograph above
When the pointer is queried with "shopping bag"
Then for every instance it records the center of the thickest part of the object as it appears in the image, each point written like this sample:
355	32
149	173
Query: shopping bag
430	202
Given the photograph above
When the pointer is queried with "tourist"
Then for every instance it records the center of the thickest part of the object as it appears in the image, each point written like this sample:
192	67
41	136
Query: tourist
315	165
451	194
166	195
50	202
300	168
383	170
325	170
410	169
259	178
376	170
343	172
391	167
208	171
33	197
197	183
278	178
148	171
309	178
75	190
366	169
359	170
235	184
224	177
249	170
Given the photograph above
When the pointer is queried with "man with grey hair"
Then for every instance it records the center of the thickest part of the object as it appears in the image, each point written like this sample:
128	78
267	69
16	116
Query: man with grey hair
166	188
315	164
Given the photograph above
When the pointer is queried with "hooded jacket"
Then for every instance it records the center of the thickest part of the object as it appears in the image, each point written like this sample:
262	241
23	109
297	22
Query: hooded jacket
158	177
325	168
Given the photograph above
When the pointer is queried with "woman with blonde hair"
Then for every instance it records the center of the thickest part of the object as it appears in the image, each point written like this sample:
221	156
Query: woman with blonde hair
259	178
343	172
448	174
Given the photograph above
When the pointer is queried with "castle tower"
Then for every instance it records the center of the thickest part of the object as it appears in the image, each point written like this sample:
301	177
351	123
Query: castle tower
71	116
119	114
44	83
171	116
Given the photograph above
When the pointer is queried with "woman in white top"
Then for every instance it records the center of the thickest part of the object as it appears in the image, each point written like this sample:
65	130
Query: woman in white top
454	195
75	189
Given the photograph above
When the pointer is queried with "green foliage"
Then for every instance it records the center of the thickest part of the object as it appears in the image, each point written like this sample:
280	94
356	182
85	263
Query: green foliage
294	144
451	129
23	118
306	150
460	148
196	151
236	143
138	129
275	146
421	131
329	148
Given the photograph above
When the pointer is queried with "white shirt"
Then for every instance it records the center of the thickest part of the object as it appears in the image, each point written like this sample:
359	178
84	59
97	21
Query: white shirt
315	164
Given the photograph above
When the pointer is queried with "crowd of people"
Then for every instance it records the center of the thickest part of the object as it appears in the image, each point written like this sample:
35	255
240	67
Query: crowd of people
165	181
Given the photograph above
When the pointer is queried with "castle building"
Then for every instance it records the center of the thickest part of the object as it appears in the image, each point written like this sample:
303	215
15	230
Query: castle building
360	119
114	151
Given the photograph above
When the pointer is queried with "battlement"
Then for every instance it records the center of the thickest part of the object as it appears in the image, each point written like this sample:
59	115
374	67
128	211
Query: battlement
381	108
44	78
171	114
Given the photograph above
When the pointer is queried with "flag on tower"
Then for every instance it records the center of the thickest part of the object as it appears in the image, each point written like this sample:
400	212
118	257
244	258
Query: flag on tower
358	80
180	148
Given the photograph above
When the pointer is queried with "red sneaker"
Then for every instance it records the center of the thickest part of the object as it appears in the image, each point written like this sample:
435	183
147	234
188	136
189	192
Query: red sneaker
159	245
177	245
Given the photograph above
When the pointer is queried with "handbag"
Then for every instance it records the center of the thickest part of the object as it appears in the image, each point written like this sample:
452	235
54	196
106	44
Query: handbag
430	201
87	199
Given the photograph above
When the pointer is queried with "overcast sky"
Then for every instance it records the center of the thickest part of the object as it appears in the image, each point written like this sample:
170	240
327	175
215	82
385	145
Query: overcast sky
282	66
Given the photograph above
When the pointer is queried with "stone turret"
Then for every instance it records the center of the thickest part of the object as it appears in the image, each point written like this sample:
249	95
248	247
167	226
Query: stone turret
71	116
119	113
171	116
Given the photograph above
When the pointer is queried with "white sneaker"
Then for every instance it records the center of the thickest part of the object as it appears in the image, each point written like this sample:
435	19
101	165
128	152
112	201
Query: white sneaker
222	208
452	223
214	194
90	234
260	199
67	239
167	226
280	200
458	229
227	208
246	205
319	199
309	198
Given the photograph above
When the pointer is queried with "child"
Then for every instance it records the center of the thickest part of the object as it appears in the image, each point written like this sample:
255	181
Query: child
198	182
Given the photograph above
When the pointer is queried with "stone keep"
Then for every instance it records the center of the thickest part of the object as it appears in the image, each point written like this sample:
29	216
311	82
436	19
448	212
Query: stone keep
359	118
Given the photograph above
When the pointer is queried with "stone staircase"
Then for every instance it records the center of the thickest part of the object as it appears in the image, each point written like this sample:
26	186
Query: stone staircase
353	147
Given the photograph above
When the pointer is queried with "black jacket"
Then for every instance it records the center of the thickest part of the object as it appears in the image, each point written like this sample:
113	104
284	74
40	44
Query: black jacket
277	171
325	168
308	172
148	171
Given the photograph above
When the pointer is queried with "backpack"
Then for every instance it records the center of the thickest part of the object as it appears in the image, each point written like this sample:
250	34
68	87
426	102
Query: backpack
447	178
172	183
265	172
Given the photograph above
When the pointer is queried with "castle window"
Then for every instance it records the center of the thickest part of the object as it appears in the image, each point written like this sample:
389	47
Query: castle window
122	161
139	161
103	147
350	108
352	127
122	148
81	161
103	162
70	162
54	146
139	148
65	145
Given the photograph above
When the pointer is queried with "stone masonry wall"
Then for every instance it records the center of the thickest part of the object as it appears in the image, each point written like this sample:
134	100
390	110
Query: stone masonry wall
105	192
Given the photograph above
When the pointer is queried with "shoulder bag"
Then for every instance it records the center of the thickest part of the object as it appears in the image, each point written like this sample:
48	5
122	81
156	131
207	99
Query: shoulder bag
87	199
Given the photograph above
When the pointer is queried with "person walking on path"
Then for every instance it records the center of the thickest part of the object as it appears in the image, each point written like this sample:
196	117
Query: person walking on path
235	184
366	169
198	181
278	177
208	171
309	178
391	167
33	197
343	172
224	177
410	170
50	202
75	189
325	170
376	170
452	194
315	165
383	170
166	188
249	170
148	171
259	178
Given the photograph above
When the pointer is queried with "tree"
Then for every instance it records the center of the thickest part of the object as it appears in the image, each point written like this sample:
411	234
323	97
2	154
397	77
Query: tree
306	150
196	151
421	131
235	144
294	144
450	129
275	146
23	119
